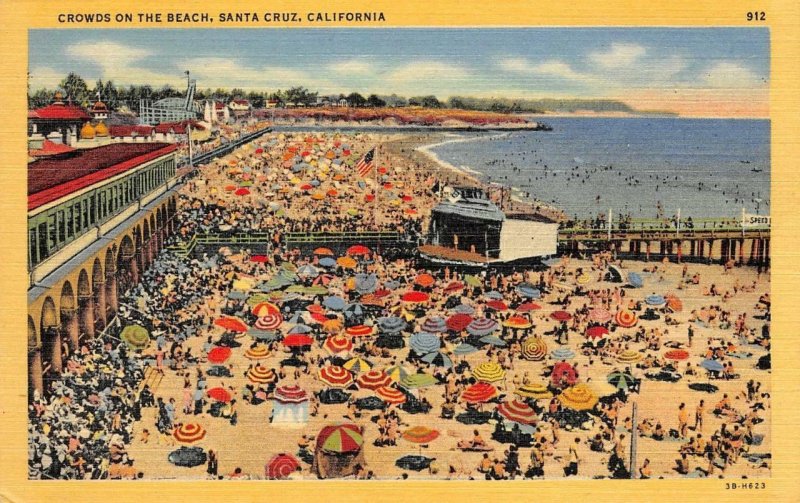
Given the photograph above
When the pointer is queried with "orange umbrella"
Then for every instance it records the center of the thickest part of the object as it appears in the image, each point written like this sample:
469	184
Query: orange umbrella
265	309
323	251
232	324
424	280
390	395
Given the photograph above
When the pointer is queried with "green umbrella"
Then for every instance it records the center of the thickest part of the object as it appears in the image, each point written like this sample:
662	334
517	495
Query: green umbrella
296	289
472	280
622	380
418	381
315	290
135	336
258	298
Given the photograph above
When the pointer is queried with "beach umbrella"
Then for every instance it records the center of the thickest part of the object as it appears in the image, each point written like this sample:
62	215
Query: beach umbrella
479	392
517	411
464	309
332	325
434	324
583	279
493	295
338	344
676	354
322	251
414	462
712	365
340	438
419	380
187	457
357	365
674	303
482	326
308	271
242	192
219	394
334	303
489	372
189	433
537	391
281	466
534	349
458	322
454	286
438	359
465	349
497	305
300	329
290	394
596	332
135	336
359	331
373	379
257	298
423	343
622	380
614	274
493	340
529	291
391	285
260	259
236	295
257	352
263	335
269	322
626	319
655	300
563	372
397	373
517	322
424	280
420	435
357	250
472	280
346	262
335	376
561	316
219	355
232	324
390	395
526	307
600	315
315	290
327	262
562	353
297	340
261	375
635	280
366	283
629	356
578	397
391	324
414	297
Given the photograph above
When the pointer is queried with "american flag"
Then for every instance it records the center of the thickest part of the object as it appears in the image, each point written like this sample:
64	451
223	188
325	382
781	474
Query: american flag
365	164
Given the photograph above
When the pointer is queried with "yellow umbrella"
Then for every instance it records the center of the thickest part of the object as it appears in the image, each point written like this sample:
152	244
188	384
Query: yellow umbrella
489	372
346	262
536	391
629	356
578	397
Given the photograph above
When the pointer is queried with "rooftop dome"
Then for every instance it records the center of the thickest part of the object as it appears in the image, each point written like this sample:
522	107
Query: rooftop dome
100	130
88	132
99	106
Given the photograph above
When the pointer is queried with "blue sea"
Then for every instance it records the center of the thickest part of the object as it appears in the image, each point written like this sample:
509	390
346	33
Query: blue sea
636	166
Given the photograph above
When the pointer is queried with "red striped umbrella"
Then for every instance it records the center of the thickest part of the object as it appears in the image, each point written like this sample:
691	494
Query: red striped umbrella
336	376
219	355
677	354
297	340
189	433
359	331
262	375
390	395
232	324
497	305
356	250
479	392
269	322
561	315
528	306
338	343
414	297
420	435
517	322
219	394
281	466
600	315
458	322
626	319
340	438
290	394
517	411
266	309
373	379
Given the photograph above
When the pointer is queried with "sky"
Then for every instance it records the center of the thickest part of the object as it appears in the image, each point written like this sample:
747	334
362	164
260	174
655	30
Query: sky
690	71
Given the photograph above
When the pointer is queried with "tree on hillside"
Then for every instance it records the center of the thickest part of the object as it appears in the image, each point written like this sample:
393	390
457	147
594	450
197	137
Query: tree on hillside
375	102
425	101
356	100
75	88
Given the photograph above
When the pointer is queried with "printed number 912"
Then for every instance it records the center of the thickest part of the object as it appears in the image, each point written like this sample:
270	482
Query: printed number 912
757	16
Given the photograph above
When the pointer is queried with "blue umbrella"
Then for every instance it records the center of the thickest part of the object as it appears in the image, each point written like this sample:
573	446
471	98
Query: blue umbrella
529	291
423	343
481	327
435	324
300	329
655	300
438	359
327	262
334	303
391	284
465	349
494	295
712	365
237	295
263	335
464	309
493	340
635	280
354	309
391	324
308	271
562	353
366	283
314	183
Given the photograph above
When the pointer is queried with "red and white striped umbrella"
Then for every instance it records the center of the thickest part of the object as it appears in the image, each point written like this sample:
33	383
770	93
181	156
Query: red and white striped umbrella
390	395
269	322
373	379
336	376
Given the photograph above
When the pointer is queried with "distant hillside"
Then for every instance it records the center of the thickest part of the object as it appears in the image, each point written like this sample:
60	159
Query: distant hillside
547	105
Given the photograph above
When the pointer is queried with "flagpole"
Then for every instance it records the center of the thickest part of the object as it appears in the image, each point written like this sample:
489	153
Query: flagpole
377	184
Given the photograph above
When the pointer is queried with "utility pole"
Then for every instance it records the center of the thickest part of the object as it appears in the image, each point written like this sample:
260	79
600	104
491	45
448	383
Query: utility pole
634	438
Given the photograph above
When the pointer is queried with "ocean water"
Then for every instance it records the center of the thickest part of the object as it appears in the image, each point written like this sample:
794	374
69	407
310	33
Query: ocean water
636	166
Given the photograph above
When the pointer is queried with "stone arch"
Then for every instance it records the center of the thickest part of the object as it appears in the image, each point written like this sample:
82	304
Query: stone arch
51	340
99	295
85	306
35	382
112	295
127	268
70	328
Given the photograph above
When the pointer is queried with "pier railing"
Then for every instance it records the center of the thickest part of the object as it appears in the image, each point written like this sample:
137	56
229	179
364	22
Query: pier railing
658	229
